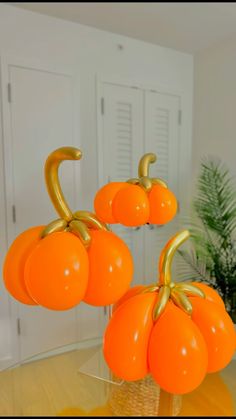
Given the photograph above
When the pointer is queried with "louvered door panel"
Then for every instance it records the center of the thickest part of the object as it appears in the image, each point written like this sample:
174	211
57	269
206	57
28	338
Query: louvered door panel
162	138
123	143
122	148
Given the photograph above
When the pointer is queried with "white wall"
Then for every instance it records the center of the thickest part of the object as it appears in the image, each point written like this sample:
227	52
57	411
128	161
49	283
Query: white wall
215	104
88	53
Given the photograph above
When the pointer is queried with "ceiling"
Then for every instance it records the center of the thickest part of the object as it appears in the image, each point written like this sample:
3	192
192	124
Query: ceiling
188	27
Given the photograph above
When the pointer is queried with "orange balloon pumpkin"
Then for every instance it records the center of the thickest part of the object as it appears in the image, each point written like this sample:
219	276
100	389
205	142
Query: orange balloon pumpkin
177	349
14	264
130	206
104	199
163	205
137	201
210	294
111	268
127	336
217	330
56	272
74	258
175	331
130	293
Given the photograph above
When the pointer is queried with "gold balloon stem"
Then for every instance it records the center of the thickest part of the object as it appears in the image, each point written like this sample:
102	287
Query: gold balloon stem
169	290
78	223
146	160
167	255
52	180
143	179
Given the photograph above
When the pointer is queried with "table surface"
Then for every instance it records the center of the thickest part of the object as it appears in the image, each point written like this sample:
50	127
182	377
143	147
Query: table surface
52	384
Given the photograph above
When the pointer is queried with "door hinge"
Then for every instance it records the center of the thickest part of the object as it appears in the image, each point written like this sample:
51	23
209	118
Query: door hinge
13	214
9	97
180	117
102	105
107	310
18	327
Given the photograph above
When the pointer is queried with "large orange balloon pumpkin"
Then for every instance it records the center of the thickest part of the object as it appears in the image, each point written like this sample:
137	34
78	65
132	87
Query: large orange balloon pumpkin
178	332
137	201
74	258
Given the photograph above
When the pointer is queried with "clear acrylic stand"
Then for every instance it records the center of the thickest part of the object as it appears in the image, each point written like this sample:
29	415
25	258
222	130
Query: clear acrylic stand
141	398
96	366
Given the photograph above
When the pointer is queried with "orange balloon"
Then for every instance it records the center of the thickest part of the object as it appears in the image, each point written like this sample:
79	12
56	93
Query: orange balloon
111	268
218	331
163	205
127	335
14	264
104	199
56	272
129	294
130	206
210	294
177	352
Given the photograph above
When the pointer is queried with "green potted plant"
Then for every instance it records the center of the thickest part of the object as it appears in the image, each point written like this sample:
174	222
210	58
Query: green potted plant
212	256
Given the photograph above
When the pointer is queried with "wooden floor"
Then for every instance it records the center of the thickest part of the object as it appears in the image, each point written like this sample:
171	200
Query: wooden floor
53	386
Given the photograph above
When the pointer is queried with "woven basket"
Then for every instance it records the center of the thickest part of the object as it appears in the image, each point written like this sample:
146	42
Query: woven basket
142	398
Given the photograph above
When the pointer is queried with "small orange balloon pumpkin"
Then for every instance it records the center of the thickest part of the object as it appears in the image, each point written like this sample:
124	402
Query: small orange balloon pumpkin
176	331
74	258
138	201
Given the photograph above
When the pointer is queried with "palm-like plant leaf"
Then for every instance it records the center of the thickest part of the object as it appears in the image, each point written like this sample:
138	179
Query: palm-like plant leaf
213	257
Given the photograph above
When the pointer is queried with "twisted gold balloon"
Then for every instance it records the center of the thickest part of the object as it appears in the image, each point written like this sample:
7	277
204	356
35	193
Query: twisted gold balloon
177	292
143	173
167	254
79	222
52	180
146	160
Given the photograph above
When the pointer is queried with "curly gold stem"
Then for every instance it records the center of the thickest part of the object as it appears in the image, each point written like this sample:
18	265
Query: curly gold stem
190	289
143	167
90	220
157	181
53	227
80	230
167	255
146	183
182	301
52	181
162	299
150	288
168	290
133	181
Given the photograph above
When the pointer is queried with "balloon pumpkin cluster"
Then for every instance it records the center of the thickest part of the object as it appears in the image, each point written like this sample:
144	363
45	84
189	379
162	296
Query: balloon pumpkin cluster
138	201
74	258
178	332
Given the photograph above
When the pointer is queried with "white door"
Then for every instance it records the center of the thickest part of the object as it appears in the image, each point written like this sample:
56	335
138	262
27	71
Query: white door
41	113
161	116
122	147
